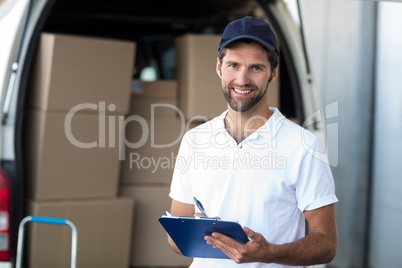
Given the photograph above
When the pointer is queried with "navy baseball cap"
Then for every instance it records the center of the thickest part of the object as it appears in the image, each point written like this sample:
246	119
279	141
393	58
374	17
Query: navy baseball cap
250	28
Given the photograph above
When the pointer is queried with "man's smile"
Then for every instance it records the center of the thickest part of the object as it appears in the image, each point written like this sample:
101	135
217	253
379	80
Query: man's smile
242	91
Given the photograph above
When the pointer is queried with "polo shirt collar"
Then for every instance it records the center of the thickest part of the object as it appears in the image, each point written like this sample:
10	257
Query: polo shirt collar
268	130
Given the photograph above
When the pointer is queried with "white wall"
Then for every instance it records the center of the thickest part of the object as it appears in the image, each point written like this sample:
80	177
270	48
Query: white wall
386	234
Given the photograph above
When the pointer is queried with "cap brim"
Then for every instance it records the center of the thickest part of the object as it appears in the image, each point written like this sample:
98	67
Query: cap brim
259	41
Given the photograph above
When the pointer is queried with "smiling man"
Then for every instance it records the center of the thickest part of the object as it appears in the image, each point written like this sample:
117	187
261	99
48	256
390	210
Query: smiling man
272	201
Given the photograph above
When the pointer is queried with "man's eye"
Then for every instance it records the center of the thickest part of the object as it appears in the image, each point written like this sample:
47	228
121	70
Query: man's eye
257	68
233	65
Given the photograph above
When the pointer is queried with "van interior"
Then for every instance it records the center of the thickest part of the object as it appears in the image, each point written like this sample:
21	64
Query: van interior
153	25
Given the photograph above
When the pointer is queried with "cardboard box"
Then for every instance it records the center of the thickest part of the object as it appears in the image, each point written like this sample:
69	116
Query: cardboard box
58	168
200	88
162	94
72	70
150	163
104	231
149	241
155	89
154	161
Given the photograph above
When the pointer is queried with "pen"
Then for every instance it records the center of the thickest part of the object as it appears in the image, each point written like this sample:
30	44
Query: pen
200	206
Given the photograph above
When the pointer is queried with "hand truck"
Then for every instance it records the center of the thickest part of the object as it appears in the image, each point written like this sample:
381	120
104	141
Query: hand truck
48	220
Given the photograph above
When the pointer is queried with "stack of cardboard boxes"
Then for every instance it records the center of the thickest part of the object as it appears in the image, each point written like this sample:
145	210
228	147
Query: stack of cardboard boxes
88	135
168	107
147	169
79	88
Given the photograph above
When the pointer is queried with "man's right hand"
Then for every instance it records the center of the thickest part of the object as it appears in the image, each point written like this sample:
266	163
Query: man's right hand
180	209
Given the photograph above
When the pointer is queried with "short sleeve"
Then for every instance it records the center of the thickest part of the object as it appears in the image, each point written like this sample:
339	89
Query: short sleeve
180	188
315	186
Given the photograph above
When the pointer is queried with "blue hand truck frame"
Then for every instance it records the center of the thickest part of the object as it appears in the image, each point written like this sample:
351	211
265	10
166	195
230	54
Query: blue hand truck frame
48	220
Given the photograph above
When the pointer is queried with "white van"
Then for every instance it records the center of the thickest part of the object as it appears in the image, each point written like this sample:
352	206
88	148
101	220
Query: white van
153	25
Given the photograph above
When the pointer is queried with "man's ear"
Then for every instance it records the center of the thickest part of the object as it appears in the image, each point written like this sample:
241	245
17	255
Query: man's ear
218	68
274	74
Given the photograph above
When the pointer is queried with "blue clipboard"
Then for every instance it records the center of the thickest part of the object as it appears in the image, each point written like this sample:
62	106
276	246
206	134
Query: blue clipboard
188	233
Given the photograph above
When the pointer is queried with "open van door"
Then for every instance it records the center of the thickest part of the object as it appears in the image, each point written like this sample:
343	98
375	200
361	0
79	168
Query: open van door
13	19
293	56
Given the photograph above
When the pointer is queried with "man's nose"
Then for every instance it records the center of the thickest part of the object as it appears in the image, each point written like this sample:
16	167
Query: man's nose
243	77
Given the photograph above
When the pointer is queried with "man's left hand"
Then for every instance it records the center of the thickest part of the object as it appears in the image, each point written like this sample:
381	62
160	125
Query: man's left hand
318	246
254	250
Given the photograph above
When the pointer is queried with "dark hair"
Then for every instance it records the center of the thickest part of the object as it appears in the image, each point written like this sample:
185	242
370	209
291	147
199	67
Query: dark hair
273	57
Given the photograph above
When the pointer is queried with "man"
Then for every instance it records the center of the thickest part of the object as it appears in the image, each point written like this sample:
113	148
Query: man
254	166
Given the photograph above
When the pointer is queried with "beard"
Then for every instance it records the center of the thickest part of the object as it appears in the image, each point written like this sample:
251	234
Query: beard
245	104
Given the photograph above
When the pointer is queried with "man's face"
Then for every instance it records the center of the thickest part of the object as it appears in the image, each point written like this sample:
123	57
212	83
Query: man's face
245	74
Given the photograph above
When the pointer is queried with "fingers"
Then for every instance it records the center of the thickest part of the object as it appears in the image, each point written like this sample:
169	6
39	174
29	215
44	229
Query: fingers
218	238
250	233
228	245
238	252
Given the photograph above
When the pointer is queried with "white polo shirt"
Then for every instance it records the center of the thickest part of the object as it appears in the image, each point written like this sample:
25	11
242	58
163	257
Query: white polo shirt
265	182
